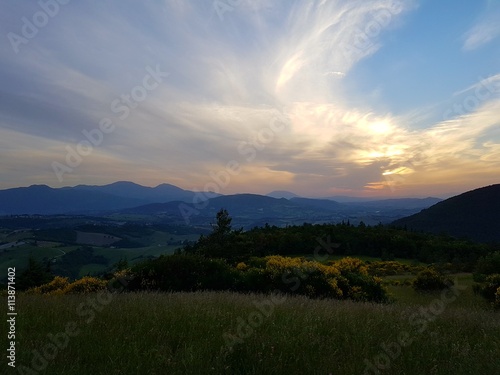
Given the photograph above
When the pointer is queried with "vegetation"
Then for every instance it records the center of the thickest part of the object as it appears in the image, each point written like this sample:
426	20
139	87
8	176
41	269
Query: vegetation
344	279
229	333
429	279
339	239
487	265
34	275
489	289
237	302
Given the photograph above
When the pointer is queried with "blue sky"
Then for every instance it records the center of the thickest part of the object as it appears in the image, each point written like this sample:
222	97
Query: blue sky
369	98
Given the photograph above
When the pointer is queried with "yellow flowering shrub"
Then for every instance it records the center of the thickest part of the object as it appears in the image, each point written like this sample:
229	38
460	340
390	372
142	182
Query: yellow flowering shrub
241	266
346	278
61	285
56	286
335	288
353	265
279	262
86	284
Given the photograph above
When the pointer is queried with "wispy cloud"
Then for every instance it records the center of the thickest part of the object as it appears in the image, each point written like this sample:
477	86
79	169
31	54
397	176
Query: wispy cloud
486	29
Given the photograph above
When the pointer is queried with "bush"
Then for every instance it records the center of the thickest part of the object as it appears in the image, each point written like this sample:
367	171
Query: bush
183	273
345	279
489	264
489	288
496	304
348	279
61	285
430	280
56	286
85	285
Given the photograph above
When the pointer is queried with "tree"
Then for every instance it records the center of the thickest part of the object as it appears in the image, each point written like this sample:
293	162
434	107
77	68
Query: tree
35	275
223	242
222	228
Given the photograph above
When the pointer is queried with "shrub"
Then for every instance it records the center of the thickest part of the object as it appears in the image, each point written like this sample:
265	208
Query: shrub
429	280
61	285
489	288
496	304
489	264
183	273
345	279
56	286
85	285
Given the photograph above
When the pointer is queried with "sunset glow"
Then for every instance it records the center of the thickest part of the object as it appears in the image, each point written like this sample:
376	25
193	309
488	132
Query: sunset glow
365	98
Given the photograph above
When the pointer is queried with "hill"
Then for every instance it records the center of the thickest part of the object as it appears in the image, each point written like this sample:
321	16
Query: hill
474	214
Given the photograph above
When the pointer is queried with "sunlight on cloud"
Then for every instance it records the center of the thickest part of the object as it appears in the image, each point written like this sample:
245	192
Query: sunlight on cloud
226	89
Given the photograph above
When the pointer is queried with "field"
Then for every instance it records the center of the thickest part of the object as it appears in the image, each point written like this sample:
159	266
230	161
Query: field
226	333
19	246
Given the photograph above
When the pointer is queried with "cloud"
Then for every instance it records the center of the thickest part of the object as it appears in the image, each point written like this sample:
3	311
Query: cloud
232	84
486	29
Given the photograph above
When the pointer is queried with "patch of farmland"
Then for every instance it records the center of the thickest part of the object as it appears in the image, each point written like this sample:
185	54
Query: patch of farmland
95	239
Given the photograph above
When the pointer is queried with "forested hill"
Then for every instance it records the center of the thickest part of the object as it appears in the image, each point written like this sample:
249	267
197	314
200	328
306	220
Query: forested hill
474	215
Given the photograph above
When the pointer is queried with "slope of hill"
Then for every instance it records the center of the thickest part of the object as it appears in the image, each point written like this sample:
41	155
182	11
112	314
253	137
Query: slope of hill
474	214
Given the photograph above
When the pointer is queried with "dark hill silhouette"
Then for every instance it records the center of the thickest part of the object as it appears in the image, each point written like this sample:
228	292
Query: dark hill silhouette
41	199
474	215
126	189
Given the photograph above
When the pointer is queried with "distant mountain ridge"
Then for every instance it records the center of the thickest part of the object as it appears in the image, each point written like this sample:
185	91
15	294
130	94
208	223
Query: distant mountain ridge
282	194
162	203
474	214
44	200
126	189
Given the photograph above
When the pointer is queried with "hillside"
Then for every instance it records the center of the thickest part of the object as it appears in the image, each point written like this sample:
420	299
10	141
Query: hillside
474	214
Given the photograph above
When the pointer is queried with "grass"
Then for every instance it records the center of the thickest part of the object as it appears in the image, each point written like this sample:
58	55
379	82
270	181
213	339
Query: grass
183	333
407	296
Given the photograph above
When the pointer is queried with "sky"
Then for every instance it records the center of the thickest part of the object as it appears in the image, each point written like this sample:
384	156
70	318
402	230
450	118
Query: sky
379	98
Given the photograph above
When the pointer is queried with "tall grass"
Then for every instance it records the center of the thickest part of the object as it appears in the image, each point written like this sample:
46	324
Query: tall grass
186	333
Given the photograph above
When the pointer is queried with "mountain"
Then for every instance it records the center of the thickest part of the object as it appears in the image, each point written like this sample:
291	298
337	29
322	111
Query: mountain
282	194
85	199
474	214
126	189
41	199
171	204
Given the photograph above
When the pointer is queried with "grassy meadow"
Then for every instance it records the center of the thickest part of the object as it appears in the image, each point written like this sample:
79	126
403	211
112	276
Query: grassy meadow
228	333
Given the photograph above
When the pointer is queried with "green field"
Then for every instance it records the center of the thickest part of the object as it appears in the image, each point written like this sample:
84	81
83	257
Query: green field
188	333
149	244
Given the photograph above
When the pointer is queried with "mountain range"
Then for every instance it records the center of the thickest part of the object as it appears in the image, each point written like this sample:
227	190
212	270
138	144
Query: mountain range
165	201
474	214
